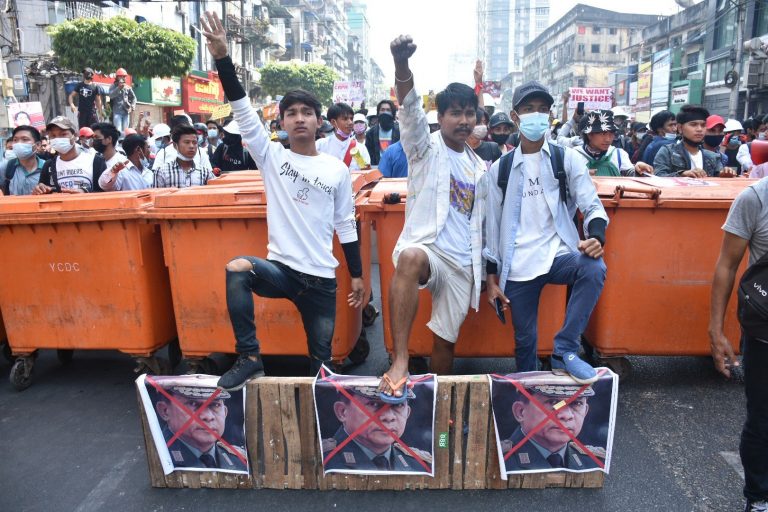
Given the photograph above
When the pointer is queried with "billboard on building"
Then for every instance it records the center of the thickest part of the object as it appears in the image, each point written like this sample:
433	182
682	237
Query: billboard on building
633	93
660	82
644	80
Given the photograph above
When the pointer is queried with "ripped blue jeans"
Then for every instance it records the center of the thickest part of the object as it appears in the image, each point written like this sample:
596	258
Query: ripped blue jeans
314	297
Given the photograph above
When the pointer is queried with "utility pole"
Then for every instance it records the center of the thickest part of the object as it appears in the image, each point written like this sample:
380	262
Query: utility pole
733	104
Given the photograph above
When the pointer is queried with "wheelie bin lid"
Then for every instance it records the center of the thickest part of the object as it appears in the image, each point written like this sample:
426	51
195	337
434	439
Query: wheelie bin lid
670	192
236	177
380	197
363	179
78	207
236	201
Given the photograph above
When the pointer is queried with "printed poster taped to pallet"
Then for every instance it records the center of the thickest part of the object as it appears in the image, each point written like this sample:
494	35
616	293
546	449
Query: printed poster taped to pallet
360	434
546	422
195	425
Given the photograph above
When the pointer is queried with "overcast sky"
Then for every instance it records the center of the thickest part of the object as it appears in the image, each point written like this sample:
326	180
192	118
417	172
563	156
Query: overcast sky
441	29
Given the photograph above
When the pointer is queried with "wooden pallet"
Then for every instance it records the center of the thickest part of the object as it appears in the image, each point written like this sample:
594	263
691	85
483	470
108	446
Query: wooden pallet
283	447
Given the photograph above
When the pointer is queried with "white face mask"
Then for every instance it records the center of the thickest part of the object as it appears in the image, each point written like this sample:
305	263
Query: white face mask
62	145
480	131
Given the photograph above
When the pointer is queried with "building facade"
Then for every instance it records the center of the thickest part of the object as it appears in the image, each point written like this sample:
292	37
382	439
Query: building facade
504	28
581	48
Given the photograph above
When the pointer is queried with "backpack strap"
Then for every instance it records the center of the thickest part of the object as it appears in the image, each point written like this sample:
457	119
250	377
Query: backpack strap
557	159
10	170
505	167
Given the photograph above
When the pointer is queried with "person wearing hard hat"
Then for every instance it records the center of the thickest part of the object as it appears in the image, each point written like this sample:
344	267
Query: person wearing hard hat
86	139
161	137
123	101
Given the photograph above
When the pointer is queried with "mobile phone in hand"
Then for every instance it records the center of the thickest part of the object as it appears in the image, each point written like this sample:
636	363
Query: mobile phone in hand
580	108
500	311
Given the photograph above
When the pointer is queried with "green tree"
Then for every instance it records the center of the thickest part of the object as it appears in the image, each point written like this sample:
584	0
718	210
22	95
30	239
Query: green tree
145	50
278	79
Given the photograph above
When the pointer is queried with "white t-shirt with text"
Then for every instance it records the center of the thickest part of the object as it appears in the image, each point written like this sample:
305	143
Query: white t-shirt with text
76	173
537	242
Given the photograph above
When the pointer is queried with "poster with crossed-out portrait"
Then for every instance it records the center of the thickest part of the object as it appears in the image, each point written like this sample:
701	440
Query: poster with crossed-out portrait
546	422
195	425
361	434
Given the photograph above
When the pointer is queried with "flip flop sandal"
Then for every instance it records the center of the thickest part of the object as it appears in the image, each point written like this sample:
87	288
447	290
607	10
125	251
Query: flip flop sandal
394	386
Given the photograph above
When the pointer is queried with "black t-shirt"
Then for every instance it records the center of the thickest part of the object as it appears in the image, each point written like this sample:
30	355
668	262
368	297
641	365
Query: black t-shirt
488	151
87	96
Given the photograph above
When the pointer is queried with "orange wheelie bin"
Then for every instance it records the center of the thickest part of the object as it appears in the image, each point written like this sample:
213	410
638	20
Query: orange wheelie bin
482	335
662	246
203	228
90	275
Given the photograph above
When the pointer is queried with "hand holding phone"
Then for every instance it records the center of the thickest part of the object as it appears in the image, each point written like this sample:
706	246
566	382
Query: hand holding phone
500	311
580	108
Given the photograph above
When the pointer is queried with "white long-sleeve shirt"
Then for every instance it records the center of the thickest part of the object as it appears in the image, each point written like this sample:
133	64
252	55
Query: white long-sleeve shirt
744	157
308	197
130	178
338	148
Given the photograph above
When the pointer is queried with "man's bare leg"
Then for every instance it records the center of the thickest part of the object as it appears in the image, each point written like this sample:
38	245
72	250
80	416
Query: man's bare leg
412	269
441	362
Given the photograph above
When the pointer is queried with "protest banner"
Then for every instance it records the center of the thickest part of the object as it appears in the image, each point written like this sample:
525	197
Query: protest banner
351	93
30	113
593	97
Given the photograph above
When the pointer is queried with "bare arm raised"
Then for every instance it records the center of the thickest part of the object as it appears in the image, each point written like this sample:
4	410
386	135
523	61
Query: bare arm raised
402	49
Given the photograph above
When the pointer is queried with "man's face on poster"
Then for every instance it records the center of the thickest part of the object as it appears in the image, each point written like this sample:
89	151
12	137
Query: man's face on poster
373	437
551	436
195	435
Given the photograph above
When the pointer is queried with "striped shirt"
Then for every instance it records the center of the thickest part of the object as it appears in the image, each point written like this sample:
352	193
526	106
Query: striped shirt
174	176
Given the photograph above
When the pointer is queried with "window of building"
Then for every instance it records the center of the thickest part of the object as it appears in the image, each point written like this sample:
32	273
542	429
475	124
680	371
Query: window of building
760	23
542	11
634	56
725	25
541	24
595	48
692	64
718	69
580	48
675	41
581	82
613	31
595	29
613	48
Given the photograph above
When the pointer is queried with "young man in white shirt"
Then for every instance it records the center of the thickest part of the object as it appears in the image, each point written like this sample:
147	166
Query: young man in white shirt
531	239
440	247
342	144
131	173
73	170
598	131
310	196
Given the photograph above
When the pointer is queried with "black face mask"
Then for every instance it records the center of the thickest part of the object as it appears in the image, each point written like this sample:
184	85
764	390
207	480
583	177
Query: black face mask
499	138
713	140
99	145
230	139
88	76
386	122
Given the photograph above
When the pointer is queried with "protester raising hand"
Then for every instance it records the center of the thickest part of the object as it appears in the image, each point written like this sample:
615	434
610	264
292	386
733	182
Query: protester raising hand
215	35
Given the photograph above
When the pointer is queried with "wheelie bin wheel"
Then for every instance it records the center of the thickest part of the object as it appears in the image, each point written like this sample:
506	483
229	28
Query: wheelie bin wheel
204	365
361	350
153	365
370	313
65	355
21	373
618	365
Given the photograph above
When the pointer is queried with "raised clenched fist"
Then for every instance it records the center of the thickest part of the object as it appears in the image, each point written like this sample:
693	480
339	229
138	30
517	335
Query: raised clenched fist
402	48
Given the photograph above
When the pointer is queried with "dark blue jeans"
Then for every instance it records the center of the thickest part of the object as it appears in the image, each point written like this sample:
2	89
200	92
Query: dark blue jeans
315	298
585	274
754	437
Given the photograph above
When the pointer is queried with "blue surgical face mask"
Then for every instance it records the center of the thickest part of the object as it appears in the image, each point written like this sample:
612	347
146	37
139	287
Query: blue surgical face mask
282	135
534	126
9	154
670	136
200	140
144	161
159	144
212	134
760	136
24	149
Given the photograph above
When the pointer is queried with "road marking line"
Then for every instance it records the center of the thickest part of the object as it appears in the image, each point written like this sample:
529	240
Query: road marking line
733	460
107	486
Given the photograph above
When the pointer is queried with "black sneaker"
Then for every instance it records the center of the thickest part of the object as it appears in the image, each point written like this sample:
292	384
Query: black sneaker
757	506
244	369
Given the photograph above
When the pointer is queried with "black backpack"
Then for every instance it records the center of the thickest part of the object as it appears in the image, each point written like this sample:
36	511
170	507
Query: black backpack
753	300
10	170
556	158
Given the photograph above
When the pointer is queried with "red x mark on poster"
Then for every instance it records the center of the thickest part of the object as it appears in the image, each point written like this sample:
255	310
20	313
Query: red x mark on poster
551	416
372	418
194	417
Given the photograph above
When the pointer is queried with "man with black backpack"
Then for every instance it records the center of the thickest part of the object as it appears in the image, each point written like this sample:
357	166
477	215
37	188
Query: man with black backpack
531	238
746	225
